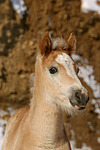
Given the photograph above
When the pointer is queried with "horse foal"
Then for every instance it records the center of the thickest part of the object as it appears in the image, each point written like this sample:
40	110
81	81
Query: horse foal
57	88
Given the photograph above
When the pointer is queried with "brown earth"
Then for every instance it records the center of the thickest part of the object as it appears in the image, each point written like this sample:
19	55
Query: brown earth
19	42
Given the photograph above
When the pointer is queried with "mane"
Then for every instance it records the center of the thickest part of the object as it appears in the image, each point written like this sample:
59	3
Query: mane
59	43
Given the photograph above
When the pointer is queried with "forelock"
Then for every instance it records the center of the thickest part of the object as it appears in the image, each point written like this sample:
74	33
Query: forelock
59	43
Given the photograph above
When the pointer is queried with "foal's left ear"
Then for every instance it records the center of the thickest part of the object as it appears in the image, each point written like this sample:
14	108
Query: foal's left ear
45	44
71	43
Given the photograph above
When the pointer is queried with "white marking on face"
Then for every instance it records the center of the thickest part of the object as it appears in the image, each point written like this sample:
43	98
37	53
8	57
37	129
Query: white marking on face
67	62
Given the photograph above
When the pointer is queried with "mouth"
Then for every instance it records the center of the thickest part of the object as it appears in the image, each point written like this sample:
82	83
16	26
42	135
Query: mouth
78	107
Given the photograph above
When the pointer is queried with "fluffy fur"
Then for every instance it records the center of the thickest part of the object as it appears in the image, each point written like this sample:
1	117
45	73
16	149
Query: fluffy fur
59	43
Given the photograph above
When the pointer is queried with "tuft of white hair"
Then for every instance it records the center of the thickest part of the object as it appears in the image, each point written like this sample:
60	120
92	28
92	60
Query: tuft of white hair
59	43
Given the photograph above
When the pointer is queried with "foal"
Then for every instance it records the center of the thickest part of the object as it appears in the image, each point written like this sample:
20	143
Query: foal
56	89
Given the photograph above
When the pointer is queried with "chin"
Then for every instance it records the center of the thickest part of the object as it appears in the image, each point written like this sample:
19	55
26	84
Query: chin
72	110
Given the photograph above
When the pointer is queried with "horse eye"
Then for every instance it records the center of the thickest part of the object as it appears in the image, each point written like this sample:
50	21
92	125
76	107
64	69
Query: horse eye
53	70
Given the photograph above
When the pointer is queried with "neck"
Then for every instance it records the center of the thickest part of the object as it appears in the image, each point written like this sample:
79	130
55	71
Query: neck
46	118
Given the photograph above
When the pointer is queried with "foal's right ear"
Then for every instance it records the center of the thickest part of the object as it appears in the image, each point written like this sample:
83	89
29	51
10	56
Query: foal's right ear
45	44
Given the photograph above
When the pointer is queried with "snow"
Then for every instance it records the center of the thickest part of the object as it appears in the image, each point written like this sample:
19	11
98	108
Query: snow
98	140
19	6
86	71
90	5
84	146
86	6
4	122
73	143
1	137
87	74
31	82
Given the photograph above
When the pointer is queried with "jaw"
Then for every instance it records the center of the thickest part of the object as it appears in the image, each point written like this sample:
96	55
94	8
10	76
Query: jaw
66	105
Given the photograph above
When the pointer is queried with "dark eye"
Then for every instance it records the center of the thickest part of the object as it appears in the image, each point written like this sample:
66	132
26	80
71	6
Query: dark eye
53	70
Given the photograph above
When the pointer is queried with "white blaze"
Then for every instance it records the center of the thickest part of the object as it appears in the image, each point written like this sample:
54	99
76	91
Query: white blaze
67	62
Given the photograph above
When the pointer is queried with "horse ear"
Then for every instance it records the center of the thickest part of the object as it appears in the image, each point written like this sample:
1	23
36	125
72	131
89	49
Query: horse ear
71	43
45	44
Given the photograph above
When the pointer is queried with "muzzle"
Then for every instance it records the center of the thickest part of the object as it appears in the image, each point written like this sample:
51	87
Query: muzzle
79	99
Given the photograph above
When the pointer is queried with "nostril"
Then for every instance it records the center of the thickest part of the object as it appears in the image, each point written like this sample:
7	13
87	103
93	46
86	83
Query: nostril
81	98
78	96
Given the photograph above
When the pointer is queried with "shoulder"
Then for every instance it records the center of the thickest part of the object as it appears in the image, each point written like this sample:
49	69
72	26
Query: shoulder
16	118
